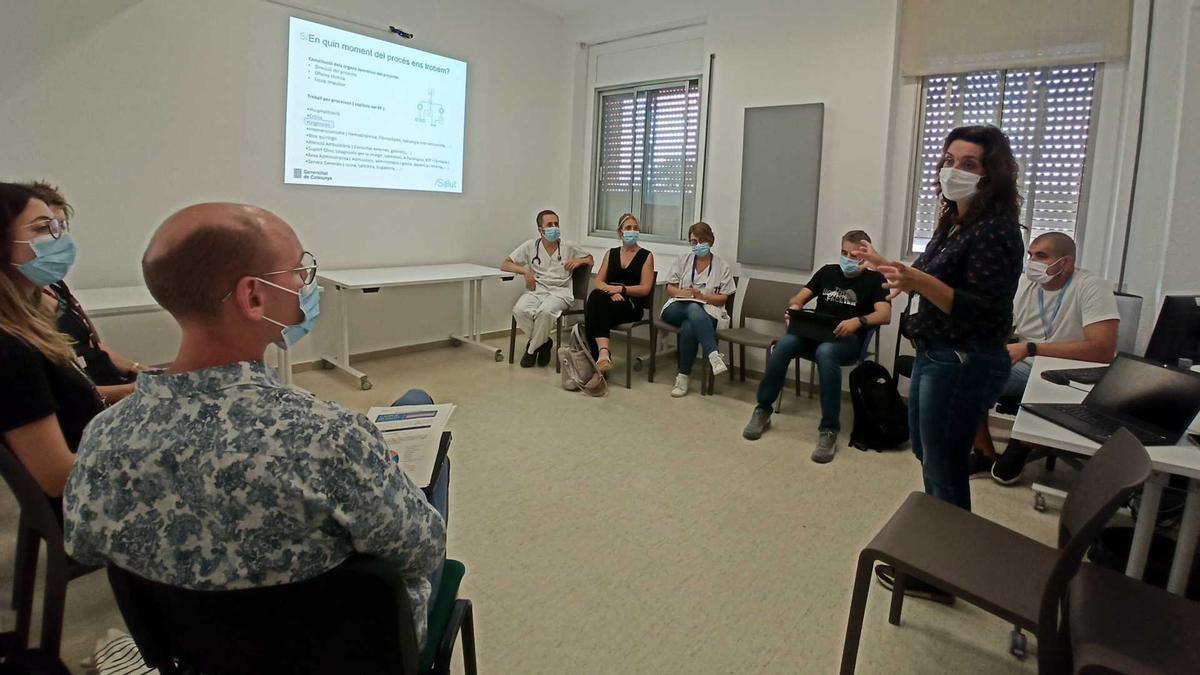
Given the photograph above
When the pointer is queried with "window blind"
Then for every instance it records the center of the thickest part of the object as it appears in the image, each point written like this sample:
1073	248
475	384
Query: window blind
1046	113
647	156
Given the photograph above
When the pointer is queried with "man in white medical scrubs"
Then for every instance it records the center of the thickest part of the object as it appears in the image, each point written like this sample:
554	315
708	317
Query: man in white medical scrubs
547	263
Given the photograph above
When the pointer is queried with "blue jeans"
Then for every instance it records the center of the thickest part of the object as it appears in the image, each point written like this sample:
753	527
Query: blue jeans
696	328
829	357
949	394
439	494
1017	379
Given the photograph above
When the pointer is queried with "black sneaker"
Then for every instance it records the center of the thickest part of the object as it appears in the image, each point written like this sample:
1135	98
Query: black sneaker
979	463
527	359
914	588
1008	467
544	353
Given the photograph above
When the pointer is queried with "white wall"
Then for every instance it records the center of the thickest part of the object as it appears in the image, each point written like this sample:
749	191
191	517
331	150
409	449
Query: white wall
770	53
152	105
1165	232
844	55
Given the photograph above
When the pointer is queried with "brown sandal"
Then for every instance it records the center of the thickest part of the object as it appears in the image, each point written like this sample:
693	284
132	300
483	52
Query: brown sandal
604	364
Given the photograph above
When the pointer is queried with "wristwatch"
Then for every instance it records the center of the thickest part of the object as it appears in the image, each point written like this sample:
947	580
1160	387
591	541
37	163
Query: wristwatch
863	321
1031	348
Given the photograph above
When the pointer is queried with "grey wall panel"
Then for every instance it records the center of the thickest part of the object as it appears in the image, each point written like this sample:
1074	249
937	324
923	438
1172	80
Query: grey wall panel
781	180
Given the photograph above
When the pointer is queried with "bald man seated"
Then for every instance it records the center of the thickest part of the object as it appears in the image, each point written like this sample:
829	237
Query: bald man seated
1059	311
214	475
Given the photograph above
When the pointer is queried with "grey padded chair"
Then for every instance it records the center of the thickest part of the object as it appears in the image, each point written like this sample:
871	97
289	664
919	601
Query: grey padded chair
626	329
708	382
579	288
764	300
994	568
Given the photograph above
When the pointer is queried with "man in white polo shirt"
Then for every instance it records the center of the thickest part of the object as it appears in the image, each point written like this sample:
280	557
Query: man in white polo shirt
1058	311
547	264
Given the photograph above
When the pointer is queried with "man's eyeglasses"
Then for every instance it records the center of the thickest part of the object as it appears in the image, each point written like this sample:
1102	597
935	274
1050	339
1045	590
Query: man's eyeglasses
307	269
52	226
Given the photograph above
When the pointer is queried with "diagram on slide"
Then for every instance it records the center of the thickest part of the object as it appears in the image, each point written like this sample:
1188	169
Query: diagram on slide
431	112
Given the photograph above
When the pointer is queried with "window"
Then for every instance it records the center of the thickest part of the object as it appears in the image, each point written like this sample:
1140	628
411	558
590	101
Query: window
646	157
1047	114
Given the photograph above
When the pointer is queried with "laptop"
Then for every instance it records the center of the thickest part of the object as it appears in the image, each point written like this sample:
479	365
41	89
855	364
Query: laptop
812	325
1154	402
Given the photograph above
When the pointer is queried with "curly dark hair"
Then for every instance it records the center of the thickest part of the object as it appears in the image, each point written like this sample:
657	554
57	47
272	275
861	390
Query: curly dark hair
997	194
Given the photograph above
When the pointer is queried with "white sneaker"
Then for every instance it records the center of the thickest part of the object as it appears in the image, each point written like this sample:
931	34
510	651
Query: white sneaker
681	386
718	363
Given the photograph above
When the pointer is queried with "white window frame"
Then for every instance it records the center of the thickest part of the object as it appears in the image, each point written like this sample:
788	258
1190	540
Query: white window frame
665	36
597	131
918	177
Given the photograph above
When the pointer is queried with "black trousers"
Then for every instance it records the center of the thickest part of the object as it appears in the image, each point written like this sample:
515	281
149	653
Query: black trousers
600	314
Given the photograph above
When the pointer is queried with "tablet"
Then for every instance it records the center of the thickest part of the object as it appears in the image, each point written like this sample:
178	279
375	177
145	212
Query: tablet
812	325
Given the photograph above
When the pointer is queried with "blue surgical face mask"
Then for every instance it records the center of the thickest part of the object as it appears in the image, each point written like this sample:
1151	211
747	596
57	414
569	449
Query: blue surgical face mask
54	259
701	249
629	237
310	305
850	266
551	234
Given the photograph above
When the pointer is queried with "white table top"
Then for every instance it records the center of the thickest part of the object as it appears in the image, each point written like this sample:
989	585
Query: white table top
380	277
1183	460
115	301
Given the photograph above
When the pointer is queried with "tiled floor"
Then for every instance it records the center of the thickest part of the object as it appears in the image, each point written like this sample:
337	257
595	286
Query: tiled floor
641	534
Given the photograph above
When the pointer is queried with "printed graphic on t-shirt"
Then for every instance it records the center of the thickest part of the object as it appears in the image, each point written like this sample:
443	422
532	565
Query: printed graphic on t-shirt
842	296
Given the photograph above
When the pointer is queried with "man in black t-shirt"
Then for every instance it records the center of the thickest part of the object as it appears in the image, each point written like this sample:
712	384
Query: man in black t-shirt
851	293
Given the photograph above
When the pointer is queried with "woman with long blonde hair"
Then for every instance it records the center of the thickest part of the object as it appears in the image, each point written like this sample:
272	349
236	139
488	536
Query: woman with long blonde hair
624	285
45	399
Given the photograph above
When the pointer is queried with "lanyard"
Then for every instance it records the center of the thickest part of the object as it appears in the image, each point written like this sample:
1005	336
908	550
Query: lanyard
710	269
1048	326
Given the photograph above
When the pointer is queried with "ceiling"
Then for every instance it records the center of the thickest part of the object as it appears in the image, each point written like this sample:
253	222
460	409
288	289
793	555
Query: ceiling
566	8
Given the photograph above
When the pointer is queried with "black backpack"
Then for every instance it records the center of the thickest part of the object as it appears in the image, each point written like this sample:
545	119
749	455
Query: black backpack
880	415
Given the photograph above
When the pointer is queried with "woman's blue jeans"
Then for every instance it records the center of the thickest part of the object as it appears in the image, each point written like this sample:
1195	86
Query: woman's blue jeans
696	328
950	393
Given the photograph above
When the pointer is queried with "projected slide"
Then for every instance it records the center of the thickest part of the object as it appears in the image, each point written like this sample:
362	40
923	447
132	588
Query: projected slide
363	112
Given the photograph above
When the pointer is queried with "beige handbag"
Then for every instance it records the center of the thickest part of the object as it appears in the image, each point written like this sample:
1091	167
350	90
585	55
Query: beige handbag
578	368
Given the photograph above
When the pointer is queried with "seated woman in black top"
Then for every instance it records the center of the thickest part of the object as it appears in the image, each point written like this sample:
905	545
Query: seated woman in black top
112	373
45	399
623	287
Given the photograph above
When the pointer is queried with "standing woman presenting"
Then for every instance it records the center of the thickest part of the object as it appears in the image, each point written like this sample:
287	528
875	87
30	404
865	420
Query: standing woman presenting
966	280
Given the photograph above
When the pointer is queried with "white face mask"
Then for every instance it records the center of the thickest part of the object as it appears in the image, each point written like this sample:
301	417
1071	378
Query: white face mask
958	185
1037	272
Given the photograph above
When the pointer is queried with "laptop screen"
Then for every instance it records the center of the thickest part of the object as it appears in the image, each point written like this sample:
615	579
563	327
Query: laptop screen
1149	393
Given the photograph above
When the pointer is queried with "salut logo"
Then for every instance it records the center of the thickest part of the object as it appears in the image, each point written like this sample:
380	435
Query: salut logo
443	183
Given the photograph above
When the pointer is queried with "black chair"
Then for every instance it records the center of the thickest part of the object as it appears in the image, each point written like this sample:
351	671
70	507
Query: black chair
355	618
38	522
994	568
580	278
626	329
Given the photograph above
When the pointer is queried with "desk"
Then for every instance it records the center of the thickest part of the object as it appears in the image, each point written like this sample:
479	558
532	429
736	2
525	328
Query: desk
1179	460
118	301
371	280
127	300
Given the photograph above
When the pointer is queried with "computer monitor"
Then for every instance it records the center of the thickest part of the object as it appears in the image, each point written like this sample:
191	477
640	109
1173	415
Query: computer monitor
1177	332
